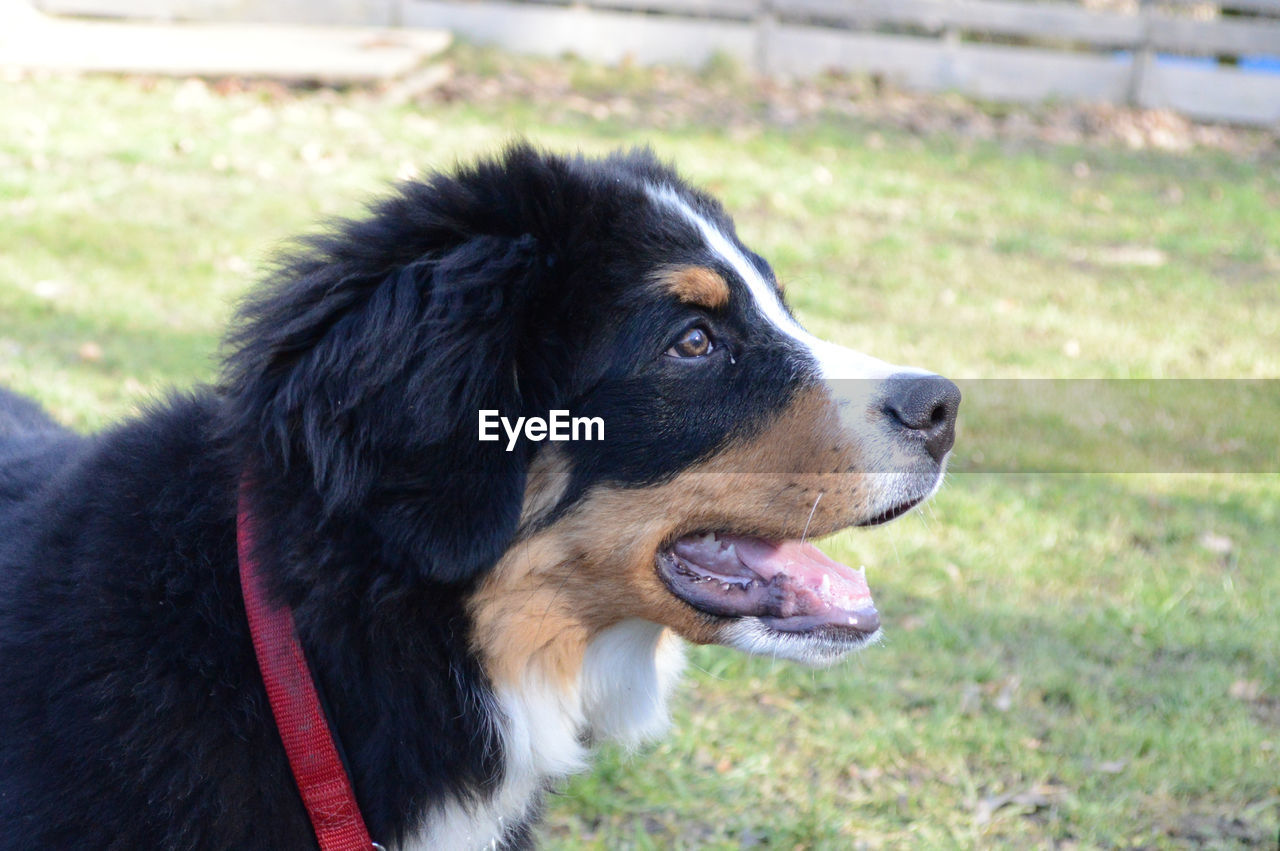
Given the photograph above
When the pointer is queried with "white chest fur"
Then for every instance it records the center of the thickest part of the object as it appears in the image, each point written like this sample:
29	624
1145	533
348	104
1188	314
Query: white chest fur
620	695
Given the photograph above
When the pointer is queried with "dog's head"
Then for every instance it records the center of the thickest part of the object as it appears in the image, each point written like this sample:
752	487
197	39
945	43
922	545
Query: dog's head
610	290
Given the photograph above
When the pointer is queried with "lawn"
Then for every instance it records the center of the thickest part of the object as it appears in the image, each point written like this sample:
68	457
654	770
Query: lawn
1085	660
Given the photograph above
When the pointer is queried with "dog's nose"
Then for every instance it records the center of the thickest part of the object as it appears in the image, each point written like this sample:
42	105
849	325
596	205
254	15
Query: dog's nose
925	405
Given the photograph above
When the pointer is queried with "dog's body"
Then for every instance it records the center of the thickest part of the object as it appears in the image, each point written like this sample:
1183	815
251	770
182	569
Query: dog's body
474	618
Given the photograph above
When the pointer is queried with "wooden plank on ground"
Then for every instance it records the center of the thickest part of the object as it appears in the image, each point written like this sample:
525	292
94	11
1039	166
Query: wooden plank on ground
153	10
293	12
598	35
1213	94
998	72
335	55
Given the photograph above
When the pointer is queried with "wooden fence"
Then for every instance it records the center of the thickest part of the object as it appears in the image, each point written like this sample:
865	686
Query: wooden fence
1211	61
1216	60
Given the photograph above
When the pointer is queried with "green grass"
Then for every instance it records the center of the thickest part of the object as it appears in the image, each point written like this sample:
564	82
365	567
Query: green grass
1085	661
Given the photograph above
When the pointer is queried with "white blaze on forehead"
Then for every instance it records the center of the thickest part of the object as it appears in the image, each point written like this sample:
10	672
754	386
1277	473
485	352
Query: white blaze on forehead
834	362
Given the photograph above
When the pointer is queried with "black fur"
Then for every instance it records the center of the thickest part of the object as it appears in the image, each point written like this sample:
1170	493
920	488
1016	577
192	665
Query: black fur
132	710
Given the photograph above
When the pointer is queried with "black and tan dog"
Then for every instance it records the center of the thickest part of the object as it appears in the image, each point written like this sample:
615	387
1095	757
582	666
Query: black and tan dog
475	614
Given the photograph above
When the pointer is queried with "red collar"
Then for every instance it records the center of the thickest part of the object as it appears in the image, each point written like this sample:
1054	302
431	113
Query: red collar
313	756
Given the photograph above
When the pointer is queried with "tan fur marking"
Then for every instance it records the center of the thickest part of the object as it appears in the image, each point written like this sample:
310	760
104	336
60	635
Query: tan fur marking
547	481
552	592
696	285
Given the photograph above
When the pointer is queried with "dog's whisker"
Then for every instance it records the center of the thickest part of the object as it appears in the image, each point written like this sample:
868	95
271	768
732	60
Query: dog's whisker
698	667
924	519
805	534
897	556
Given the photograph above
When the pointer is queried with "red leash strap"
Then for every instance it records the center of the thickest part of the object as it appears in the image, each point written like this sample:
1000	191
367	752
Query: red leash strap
317	769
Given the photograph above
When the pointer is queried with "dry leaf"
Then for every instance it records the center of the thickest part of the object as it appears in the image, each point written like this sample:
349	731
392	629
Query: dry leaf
1248	690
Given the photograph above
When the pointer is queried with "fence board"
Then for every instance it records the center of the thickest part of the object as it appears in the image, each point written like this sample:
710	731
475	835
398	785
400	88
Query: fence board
1266	7
1213	94
1232	37
998	72
737	9
1053	22
1049	21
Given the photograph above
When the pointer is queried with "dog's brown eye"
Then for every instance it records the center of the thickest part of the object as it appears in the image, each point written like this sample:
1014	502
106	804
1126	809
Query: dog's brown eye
694	343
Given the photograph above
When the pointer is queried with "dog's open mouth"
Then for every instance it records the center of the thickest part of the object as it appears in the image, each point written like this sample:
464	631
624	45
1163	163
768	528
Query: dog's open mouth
789	585
894	513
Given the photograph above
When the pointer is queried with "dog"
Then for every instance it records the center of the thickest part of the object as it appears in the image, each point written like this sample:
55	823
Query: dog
476	613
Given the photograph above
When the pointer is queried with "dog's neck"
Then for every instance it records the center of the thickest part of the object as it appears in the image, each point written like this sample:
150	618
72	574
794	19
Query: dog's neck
548	724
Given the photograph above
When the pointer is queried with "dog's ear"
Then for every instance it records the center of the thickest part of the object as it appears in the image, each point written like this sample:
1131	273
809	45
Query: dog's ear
455	504
367	390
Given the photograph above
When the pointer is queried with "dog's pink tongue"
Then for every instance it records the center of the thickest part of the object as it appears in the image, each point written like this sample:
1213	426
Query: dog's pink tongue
806	566
781	579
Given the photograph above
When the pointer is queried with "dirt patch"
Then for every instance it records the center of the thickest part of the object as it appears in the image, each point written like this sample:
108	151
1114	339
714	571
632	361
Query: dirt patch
1215	831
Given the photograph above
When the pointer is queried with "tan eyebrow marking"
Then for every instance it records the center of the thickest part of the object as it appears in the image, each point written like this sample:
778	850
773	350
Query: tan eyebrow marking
696	285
